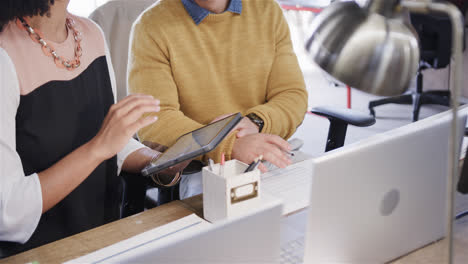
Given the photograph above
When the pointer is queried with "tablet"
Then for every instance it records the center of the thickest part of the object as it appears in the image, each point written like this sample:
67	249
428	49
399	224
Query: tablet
193	144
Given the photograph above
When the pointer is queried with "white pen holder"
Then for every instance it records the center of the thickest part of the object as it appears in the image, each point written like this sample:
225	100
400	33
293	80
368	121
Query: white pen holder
228	191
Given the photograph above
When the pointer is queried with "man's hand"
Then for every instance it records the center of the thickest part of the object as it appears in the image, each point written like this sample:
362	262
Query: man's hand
272	147
244	128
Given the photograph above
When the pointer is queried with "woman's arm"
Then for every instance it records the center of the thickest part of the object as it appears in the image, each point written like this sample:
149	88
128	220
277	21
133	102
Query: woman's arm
138	159
24	199
20	196
120	124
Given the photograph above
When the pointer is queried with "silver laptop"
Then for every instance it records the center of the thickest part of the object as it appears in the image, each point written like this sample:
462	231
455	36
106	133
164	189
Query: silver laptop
253	237
378	199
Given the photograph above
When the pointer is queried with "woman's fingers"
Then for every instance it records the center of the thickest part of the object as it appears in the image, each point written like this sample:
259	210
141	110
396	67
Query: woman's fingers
122	108
141	123
132	97
137	112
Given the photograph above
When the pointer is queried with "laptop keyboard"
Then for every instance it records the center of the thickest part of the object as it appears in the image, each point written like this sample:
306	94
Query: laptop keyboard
293	251
291	184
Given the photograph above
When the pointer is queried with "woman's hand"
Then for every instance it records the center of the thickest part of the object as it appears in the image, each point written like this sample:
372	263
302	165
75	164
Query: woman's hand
123	120
171	171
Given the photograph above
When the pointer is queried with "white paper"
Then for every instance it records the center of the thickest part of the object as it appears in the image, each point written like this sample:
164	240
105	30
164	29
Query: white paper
154	238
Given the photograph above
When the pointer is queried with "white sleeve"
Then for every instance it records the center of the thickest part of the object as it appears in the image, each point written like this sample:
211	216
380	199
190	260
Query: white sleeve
20	196
132	144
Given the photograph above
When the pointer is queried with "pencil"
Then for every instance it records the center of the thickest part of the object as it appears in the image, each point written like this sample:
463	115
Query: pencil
221	168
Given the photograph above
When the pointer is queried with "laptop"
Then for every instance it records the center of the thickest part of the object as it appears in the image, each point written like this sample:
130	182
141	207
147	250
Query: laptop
253	237
375	200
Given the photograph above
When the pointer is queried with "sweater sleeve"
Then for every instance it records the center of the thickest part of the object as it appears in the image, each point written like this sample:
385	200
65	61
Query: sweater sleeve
150	73
286	98
20	196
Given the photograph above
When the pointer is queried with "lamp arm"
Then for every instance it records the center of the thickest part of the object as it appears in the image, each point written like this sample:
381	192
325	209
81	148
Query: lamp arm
456	75
383	7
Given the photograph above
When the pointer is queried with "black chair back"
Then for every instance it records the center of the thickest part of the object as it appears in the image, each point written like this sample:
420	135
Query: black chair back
435	38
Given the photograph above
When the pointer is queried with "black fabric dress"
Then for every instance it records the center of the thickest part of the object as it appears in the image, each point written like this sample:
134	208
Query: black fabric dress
51	122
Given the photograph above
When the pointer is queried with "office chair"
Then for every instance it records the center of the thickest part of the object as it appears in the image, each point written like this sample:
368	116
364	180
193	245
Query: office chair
434	33
116	19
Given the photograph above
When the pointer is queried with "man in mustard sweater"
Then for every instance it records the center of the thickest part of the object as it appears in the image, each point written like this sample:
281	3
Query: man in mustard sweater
207	58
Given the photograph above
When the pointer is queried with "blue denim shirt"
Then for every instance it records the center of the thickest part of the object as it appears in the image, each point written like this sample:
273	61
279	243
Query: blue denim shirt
199	13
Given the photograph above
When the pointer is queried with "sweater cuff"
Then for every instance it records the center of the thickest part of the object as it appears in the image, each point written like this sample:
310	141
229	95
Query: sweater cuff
262	112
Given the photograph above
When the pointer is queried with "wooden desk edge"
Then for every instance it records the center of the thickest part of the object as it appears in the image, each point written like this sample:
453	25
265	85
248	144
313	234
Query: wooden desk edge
89	241
100	237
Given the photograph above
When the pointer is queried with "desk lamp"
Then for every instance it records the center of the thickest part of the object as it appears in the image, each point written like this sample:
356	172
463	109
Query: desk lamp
374	49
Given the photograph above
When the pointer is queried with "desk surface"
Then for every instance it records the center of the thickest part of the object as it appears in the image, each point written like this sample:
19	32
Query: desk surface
92	240
103	236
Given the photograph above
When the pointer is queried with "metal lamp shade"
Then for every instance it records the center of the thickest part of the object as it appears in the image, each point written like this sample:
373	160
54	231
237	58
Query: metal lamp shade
364	49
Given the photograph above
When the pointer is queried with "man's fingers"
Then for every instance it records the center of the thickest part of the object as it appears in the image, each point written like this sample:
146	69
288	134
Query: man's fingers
279	159
275	155
262	168
279	142
241	133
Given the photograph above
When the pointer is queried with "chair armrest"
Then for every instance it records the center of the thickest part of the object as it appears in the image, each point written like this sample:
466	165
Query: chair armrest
345	115
339	120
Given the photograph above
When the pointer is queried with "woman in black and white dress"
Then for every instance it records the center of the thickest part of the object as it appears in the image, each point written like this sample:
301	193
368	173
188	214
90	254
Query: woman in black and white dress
63	141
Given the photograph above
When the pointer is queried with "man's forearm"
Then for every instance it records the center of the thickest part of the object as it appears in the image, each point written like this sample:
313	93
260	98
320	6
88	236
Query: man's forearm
282	116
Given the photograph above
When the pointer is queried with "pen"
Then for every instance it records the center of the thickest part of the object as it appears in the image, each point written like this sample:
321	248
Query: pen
258	162
252	166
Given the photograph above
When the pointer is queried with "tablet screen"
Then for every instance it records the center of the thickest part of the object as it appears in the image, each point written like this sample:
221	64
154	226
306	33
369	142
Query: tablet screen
194	143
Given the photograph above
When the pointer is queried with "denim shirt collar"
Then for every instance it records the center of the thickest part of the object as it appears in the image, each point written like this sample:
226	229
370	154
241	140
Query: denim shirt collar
198	13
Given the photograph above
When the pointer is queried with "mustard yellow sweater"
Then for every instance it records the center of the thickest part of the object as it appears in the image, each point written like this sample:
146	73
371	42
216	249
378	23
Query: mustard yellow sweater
228	63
